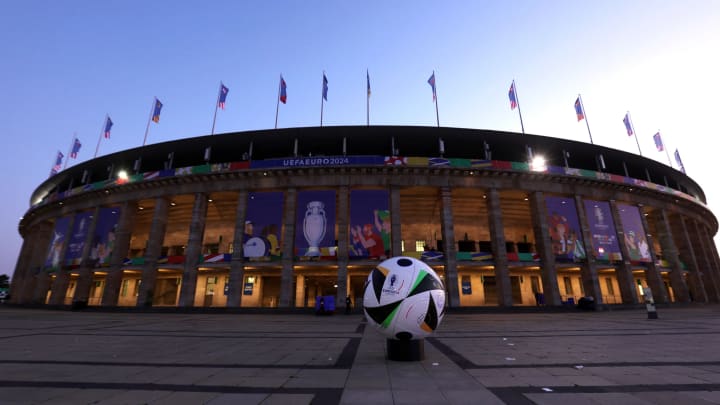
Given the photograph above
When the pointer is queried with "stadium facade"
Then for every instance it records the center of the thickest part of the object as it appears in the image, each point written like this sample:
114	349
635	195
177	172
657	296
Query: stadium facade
276	218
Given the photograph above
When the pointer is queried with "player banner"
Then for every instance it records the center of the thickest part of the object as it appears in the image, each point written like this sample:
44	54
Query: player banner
635	239
104	238
564	229
56	242
263	225
369	235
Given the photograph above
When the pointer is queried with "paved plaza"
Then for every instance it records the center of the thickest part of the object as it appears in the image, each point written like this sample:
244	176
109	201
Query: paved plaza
607	357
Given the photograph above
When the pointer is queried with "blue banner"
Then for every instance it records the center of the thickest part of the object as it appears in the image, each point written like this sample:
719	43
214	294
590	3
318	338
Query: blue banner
602	228
564	229
81	225
263	223
56	242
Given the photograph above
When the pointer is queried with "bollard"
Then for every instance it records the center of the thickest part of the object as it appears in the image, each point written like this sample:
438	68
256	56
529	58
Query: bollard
649	303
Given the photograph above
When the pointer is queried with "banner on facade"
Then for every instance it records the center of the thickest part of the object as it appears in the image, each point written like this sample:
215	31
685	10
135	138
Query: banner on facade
564	229
602	229
635	239
315	224
104	237
369	235
81	226
263	225
57	239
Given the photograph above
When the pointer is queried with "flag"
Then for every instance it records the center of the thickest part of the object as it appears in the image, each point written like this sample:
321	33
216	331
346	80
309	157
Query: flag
658	142
511	95
58	163
579	109
108	125
679	161
156	111
628	127
75	148
325	87
431	82
368	83
223	94
283	90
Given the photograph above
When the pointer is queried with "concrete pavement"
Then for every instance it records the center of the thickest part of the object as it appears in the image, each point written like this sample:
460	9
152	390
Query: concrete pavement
609	357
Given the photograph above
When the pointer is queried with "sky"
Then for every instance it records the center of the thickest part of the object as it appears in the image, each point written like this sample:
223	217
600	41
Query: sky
65	65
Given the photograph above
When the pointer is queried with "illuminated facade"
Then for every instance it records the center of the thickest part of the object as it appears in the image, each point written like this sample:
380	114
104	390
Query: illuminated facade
275	218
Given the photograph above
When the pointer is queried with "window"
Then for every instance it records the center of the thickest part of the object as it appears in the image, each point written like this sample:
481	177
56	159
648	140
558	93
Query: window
419	245
568	286
124	288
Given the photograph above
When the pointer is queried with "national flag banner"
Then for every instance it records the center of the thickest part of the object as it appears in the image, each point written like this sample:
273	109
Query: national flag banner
368	83
58	163
679	161
628	127
75	148
156	111
658	142
431	82
512	96
283	90
579	110
223	94
108	125
325	87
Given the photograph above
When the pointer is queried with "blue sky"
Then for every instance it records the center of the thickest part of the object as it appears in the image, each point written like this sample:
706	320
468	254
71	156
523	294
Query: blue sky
68	64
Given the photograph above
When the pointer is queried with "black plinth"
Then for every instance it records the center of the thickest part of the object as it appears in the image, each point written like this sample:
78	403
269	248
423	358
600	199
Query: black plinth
406	350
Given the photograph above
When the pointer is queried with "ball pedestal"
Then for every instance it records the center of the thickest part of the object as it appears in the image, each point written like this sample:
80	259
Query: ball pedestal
406	350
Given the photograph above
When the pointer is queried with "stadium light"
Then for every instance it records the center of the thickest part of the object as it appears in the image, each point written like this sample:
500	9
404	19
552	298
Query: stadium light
538	164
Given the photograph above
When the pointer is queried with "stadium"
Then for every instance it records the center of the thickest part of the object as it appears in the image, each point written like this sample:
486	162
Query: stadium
278	218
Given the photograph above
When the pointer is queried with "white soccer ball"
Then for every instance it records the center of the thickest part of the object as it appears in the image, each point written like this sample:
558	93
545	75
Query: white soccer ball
404	298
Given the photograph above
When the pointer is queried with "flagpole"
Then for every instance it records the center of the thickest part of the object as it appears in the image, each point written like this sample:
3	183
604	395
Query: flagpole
586	120
54	160
212	131
102	132
634	133
72	143
517	100
437	114
147	128
277	105
367	109
322	99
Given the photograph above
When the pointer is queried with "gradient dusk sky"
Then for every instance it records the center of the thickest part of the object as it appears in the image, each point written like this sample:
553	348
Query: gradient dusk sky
66	64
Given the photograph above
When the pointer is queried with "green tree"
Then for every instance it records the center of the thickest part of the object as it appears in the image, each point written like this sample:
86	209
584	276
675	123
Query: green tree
4	281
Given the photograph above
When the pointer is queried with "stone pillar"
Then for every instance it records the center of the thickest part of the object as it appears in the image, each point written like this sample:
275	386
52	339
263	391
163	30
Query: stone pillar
395	224
694	273
628	291
62	273
35	273
450	247
538	212
588	269
152	252
497	240
85	275
652	273
710	274
237	263
23	272
300	291
193	251
111	293
670	253
343	222
286	276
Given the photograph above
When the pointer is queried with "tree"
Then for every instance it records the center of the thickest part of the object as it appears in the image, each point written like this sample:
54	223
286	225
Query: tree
4	281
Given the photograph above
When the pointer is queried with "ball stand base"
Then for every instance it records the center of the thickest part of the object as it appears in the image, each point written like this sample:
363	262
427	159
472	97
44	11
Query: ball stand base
406	350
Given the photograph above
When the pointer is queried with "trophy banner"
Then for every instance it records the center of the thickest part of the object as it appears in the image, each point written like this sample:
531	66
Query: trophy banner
315	224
